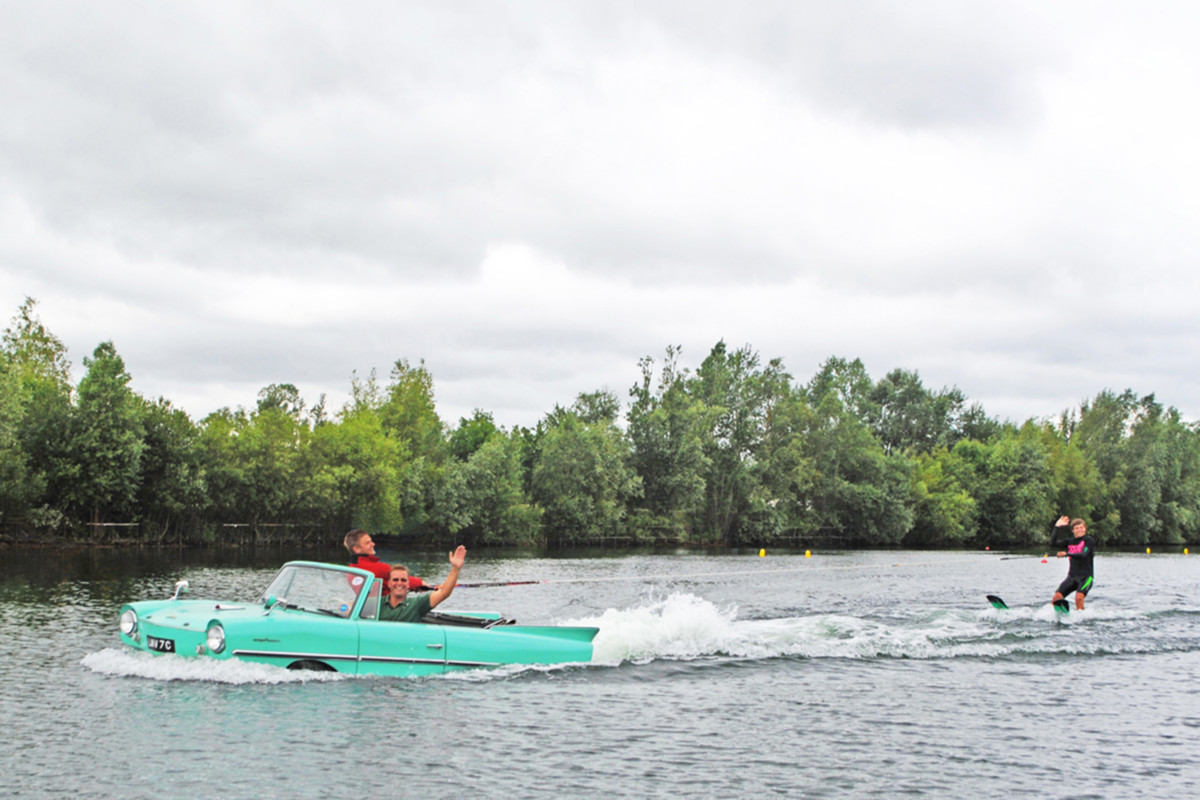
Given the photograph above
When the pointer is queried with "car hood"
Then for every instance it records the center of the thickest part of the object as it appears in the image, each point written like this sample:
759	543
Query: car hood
193	614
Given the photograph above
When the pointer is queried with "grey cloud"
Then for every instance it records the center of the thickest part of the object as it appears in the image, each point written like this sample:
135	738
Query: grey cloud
926	64
176	153
226	131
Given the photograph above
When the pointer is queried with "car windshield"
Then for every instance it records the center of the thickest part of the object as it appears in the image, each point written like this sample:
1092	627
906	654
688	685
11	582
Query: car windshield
319	589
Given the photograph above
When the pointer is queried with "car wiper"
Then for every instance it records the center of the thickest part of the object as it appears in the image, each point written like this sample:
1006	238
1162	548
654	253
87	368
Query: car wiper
319	611
273	602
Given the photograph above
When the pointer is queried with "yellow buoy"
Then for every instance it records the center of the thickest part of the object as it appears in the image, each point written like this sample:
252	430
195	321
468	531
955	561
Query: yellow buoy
1147	551
762	553
808	553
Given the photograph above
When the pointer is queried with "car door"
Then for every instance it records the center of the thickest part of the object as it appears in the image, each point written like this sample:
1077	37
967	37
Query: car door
400	648
299	635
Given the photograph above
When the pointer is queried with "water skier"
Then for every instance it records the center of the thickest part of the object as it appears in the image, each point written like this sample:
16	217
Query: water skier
1082	552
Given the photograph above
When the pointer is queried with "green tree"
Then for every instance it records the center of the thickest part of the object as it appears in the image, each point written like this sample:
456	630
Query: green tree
256	467
1147	459
1079	488
1100	435
282	397
107	440
974	423
495	507
408	414
666	428
596	408
272	451
16	490
1179	465
1012	487
34	351
230	495
38	403
858	493
738	397
471	434
848	383
582	479
171	484
784	476
355	472
408	411
944	512
910	418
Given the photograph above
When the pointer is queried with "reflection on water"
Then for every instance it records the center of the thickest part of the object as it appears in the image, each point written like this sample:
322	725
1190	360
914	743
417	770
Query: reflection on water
47	567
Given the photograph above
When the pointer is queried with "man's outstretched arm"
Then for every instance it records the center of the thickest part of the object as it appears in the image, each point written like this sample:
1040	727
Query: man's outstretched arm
442	592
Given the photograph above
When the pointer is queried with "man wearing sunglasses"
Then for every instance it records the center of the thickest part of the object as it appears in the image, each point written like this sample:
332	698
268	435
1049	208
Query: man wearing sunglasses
402	608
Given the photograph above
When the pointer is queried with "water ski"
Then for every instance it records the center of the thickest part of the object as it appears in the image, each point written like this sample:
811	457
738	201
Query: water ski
1060	606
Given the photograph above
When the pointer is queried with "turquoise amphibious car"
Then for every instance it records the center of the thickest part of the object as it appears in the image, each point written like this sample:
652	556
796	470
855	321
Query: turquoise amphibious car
323	617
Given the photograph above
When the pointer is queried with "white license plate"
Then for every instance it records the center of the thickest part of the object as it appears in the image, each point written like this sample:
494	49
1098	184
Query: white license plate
160	645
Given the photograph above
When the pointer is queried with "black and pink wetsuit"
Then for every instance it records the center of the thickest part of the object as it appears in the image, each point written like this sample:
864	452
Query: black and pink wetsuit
1082	552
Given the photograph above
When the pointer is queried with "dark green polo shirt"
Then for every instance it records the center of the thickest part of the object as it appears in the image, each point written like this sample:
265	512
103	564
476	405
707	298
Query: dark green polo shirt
411	610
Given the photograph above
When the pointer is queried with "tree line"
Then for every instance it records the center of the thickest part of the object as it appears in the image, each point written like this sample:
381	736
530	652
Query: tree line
733	453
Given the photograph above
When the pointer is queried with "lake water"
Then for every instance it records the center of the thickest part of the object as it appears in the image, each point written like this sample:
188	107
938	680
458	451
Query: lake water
872	674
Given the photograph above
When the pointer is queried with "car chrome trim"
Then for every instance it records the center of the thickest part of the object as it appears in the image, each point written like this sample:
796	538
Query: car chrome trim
281	654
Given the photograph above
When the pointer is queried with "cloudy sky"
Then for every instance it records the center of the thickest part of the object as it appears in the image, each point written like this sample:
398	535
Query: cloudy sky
531	196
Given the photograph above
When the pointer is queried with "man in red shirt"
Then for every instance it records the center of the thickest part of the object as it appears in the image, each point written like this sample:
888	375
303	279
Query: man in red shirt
362	550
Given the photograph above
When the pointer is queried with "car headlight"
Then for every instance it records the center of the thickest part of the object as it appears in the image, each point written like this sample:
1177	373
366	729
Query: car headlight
216	639
128	621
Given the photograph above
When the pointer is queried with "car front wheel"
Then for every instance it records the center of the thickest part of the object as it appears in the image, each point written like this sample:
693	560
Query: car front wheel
315	666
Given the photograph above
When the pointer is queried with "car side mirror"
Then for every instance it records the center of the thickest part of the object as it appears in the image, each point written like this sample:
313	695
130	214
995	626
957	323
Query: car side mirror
270	602
180	588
